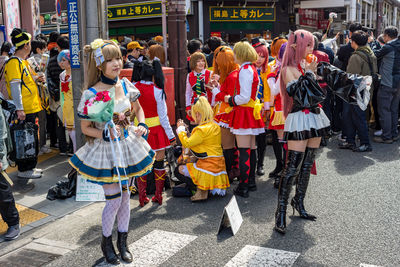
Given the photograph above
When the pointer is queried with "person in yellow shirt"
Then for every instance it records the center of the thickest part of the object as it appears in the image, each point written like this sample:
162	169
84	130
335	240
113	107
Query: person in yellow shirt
22	89
208	173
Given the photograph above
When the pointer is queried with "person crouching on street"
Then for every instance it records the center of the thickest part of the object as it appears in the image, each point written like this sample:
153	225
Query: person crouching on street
209	172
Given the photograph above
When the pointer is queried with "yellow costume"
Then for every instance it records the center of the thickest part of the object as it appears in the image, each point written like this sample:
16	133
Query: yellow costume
209	172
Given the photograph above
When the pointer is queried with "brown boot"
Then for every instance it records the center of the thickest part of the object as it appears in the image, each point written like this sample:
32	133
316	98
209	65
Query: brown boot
200	195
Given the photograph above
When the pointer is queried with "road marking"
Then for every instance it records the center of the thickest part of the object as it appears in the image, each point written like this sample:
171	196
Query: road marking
155	248
368	265
261	256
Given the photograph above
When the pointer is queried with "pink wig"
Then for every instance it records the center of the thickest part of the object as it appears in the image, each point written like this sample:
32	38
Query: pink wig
291	58
263	50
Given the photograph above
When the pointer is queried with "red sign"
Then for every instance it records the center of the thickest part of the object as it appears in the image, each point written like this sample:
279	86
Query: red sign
313	18
216	34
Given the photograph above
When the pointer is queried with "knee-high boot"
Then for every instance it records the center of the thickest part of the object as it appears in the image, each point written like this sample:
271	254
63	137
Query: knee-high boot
276	146
159	178
261	141
244	163
252	174
229	161
291	170
142	184
302	184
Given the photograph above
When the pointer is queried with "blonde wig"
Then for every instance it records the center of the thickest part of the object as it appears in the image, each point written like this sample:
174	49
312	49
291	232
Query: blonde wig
244	52
202	107
109	50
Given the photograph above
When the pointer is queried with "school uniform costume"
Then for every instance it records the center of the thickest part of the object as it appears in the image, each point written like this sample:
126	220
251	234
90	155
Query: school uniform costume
195	87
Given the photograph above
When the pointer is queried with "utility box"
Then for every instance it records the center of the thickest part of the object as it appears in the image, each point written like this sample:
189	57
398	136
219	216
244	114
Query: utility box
169	88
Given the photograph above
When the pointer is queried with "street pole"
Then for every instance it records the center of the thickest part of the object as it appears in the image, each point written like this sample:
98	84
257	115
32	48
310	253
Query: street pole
177	51
92	25
164	26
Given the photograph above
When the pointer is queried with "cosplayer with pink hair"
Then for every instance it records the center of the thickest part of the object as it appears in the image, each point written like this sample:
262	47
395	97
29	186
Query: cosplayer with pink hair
305	123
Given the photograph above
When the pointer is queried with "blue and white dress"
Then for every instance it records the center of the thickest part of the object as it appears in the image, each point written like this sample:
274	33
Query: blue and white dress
98	160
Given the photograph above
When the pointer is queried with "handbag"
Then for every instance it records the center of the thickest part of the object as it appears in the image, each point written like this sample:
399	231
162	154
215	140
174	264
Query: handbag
376	77
24	136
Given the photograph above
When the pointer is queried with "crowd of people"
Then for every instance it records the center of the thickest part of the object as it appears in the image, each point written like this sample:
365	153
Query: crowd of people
235	95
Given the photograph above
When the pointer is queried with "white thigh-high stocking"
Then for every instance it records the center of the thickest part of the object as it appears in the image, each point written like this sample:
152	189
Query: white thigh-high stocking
124	214
113	202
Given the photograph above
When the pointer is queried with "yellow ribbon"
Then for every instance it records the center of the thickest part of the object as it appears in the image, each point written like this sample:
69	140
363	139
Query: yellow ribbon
150	122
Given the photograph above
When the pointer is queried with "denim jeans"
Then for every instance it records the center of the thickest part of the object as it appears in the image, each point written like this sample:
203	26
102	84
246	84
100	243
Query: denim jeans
388	108
355	122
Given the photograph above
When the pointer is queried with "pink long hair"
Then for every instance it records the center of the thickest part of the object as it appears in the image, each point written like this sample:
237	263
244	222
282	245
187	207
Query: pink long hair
292	58
263	50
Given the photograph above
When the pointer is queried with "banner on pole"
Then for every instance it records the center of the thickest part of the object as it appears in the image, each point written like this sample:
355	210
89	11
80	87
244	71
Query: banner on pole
73	29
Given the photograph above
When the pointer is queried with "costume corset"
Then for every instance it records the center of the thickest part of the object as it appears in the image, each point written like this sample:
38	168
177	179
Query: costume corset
254	85
149	104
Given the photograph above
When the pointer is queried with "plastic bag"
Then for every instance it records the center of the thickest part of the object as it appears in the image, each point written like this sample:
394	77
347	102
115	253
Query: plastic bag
352	88
65	188
306	92
25	140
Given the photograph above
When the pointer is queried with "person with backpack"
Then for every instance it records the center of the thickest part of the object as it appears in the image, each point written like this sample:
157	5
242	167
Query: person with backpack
362	62
22	89
8	211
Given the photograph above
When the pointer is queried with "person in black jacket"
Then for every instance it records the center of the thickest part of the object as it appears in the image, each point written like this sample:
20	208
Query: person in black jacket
389	93
213	43
346	50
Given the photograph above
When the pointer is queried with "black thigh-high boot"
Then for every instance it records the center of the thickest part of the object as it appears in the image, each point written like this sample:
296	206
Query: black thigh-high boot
229	155
302	184
244	165
261	141
278	156
252	174
283	154
291	170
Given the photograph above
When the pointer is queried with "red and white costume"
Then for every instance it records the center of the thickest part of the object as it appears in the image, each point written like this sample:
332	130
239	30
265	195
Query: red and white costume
277	121
223	118
155	111
243	121
191	94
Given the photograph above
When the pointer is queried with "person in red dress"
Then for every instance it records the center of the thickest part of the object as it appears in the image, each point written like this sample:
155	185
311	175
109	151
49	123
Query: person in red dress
246	121
225	66
161	135
197	83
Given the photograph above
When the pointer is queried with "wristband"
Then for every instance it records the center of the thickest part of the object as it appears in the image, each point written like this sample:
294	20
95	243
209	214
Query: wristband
147	129
231	102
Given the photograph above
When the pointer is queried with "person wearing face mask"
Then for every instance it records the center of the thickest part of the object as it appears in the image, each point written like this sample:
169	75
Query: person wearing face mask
115	151
22	89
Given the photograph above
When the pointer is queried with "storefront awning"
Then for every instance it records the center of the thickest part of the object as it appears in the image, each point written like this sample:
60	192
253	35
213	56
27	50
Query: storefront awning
321	4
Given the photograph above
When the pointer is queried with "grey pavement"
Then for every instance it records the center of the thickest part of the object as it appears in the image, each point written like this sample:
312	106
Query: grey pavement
354	196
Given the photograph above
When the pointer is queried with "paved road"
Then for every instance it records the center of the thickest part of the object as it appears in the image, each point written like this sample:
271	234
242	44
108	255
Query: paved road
355	197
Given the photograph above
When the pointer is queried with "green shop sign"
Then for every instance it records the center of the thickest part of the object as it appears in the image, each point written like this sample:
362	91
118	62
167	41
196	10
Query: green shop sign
135	11
240	14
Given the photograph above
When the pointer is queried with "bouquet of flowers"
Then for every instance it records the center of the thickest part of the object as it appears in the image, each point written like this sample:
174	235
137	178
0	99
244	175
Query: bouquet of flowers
99	107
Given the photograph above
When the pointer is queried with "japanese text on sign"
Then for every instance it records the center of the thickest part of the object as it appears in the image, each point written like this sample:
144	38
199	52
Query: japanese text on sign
241	13
73	33
134	11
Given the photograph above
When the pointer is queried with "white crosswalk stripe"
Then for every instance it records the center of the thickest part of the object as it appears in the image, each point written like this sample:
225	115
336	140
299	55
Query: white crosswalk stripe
368	265
155	248
253	256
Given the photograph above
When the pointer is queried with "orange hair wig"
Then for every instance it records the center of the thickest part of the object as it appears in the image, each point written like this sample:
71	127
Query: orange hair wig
224	62
276	45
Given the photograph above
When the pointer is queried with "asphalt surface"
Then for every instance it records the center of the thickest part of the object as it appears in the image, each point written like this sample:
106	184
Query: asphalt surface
354	196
